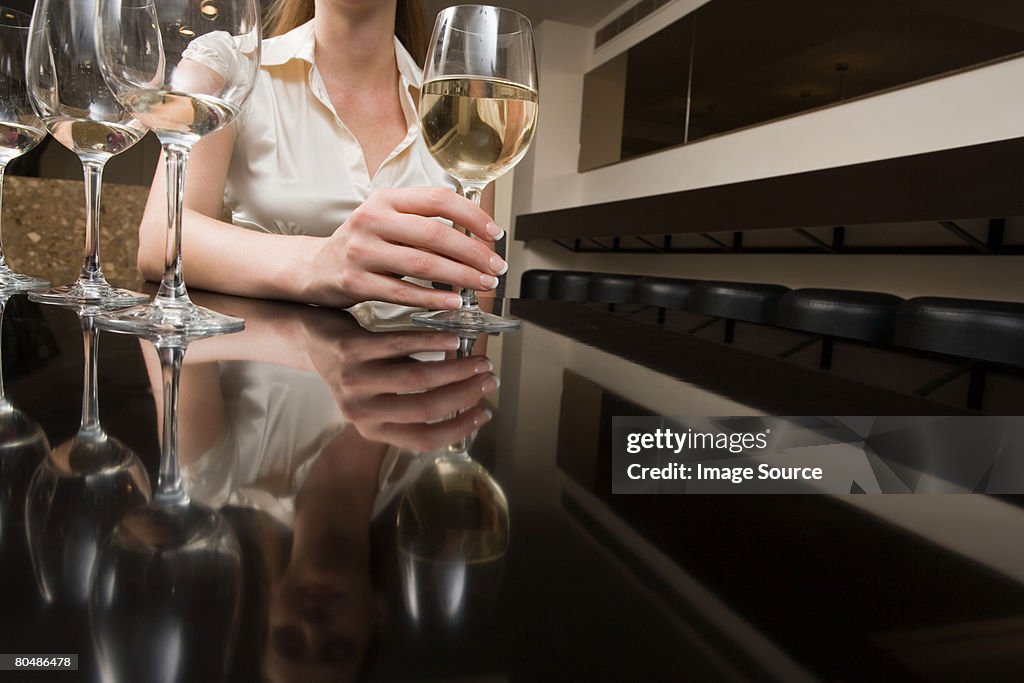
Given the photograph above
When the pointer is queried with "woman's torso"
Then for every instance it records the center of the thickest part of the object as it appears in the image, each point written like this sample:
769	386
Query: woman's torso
296	168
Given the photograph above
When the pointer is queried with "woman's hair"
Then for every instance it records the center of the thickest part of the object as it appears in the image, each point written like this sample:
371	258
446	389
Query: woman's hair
284	15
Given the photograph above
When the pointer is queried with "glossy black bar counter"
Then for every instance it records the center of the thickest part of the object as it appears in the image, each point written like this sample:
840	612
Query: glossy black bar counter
593	586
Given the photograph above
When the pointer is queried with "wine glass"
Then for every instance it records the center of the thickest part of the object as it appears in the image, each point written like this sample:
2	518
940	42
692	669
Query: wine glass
478	112
79	492
23	445
184	68
20	128
453	532
76	106
165	567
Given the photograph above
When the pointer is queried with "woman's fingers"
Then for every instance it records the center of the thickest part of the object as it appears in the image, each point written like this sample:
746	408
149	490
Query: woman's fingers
443	203
427	437
363	348
411	377
367	286
429	406
430	266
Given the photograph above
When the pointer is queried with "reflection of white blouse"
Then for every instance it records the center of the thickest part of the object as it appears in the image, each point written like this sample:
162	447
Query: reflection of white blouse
277	421
296	168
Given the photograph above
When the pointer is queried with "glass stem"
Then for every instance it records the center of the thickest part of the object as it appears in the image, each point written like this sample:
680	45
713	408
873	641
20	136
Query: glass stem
465	350
90	397
169	489
5	405
469	303
93	172
172	287
3	261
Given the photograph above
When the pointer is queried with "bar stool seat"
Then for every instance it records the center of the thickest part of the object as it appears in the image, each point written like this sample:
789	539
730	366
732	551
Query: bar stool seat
536	284
611	288
867	316
569	285
664	292
982	330
745	301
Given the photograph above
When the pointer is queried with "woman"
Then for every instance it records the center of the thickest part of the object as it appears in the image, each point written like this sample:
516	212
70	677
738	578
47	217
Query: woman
332	193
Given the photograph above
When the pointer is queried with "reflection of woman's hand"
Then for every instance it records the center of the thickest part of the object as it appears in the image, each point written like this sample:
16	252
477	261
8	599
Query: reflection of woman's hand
394	233
391	398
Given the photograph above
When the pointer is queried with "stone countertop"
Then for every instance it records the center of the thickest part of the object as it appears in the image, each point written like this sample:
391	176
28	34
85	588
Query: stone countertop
44	227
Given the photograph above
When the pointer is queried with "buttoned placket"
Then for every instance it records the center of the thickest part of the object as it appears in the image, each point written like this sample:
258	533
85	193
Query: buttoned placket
358	170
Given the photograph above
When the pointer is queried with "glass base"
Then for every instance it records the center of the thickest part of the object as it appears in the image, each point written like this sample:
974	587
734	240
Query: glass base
89	293
466	320
16	282
169	323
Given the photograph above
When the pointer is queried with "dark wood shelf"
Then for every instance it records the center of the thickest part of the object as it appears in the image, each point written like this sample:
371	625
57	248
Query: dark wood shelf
980	181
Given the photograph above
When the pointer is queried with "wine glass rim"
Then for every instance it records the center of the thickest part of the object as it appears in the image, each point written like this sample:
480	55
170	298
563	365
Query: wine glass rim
527	28
9	15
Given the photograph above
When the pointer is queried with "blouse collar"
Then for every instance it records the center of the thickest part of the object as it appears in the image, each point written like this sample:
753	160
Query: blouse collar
300	43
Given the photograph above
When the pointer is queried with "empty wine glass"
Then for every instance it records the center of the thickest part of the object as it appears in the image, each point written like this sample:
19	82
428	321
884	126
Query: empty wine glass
20	128
79	492
161	610
165	567
183	68
23	445
478	112
76	106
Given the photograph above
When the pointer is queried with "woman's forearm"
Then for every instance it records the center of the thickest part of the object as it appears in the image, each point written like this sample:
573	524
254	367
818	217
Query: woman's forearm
223	257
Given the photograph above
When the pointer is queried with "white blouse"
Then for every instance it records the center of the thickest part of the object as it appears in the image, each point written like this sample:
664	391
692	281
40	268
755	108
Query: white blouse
296	167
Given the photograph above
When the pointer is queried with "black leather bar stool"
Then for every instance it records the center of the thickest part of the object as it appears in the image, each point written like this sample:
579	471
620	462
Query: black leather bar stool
975	330
536	284
983	330
569	285
611	289
666	293
867	316
864	316
743	301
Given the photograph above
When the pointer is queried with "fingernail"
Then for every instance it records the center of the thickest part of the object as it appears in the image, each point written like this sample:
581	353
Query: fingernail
484	416
453	302
485	365
451	341
498	265
488	281
494	231
490	384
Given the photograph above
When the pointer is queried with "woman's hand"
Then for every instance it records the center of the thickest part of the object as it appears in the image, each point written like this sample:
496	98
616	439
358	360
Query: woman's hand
392	235
391	398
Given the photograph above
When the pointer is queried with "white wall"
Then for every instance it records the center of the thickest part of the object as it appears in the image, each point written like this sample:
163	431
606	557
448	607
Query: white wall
972	107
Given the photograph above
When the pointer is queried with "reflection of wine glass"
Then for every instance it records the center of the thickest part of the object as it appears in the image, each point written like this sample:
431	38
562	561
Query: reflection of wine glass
23	445
164	608
184	69
79	493
20	129
75	105
453	531
166	567
478	111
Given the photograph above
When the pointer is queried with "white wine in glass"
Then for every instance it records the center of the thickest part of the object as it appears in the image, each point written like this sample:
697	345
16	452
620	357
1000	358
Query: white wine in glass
478	113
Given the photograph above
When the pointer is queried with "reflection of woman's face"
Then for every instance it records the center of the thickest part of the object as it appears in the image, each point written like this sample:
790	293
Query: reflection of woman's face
320	625
324	611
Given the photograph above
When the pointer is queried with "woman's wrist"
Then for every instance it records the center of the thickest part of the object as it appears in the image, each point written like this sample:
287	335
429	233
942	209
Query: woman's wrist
296	277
